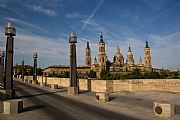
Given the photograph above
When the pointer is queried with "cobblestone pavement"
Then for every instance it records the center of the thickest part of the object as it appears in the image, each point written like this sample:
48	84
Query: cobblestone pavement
42	103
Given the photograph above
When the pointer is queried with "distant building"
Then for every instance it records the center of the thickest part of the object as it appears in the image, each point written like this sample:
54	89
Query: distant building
17	70
82	71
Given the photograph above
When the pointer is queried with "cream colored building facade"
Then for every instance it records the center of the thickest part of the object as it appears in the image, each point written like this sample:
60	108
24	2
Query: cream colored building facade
119	65
82	71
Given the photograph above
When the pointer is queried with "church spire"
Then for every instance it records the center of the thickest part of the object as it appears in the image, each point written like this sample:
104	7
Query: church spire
147	43
140	60
129	49
101	38
118	50
87	44
95	60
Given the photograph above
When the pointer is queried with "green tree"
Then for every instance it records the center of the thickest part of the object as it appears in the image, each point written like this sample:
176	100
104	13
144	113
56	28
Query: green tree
66	74
92	74
108	63
105	75
39	71
136	74
155	75
164	73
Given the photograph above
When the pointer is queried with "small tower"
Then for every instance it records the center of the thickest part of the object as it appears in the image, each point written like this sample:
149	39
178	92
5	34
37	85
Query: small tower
130	59
88	55
95	66
119	59
95	60
140	61
2	55
147	58
140	64
102	58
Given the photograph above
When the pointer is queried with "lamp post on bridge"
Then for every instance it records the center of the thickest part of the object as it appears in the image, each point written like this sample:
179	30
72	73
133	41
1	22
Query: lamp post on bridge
2	55
73	88
8	91
22	70
35	56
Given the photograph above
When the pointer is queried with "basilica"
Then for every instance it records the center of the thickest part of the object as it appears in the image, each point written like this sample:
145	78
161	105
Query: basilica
119	64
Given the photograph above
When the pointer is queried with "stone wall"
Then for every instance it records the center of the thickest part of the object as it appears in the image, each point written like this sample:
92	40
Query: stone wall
146	84
172	85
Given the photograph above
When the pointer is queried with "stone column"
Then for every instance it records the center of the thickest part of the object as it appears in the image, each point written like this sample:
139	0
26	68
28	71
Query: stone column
16	71
73	88
2	54
35	56
10	31
22	70
9	92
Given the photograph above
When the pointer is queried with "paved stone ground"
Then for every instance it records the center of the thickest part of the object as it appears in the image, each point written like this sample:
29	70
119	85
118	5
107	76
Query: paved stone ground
42	103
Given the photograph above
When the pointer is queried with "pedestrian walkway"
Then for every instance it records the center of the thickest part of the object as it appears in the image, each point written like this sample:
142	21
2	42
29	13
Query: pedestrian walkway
47	104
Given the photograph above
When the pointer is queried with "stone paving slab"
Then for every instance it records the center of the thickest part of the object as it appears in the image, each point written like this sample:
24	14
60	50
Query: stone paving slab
136	104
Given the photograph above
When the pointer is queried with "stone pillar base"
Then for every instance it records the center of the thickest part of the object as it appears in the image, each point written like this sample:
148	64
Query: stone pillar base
54	86
42	84
14	106
7	94
73	90
30	81
102	96
34	82
163	109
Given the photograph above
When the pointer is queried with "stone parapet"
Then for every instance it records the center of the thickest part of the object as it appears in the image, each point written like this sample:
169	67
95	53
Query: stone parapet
172	85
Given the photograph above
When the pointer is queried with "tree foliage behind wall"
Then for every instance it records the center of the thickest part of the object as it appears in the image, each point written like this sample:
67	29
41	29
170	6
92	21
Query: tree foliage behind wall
136	74
92	74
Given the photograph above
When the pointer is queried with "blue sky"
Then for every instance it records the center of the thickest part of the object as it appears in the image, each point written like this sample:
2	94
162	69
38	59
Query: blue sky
43	26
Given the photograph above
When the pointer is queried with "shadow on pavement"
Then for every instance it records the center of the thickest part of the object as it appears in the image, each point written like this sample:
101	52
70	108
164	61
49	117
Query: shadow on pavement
55	112
83	91
177	109
111	98
46	93
30	108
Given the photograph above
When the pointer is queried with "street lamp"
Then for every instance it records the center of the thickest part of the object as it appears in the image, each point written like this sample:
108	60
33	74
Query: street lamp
10	31
73	89
2	54
35	56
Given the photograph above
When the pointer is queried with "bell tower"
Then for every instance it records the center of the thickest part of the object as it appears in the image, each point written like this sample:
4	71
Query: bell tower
88	55
147	58
102	58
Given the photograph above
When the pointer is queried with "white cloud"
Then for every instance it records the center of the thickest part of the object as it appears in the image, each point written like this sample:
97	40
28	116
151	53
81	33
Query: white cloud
26	24
50	52
157	6
92	14
2	5
92	25
39	8
73	15
165	50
